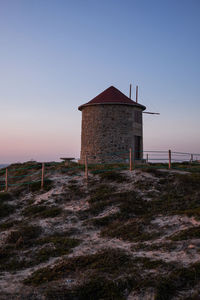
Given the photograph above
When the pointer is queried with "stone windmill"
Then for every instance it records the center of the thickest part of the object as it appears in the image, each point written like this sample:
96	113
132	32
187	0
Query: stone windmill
112	123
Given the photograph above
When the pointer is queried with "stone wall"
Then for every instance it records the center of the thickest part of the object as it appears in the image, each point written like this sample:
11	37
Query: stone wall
108	129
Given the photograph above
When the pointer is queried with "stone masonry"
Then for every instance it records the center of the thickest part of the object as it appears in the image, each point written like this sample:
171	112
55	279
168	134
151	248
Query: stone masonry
109	131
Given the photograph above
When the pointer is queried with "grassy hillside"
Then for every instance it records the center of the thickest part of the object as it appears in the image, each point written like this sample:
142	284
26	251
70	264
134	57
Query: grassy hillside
121	235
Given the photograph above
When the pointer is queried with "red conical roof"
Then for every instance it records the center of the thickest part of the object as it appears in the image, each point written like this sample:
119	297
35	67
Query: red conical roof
112	96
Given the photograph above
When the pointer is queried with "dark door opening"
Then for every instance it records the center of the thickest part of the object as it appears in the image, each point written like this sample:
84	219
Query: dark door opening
137	151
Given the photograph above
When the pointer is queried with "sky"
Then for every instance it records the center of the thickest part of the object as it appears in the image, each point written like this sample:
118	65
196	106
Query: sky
57	55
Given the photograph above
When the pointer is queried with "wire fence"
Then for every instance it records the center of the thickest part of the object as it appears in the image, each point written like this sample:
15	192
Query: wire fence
37	174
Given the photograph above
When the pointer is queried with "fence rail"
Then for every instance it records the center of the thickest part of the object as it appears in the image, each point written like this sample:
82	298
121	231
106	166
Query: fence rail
36	173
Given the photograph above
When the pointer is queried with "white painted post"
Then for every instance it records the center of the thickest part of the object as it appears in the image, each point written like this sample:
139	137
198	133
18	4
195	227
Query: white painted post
170	159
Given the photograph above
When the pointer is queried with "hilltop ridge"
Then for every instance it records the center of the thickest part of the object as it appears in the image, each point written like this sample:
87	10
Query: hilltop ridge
121	235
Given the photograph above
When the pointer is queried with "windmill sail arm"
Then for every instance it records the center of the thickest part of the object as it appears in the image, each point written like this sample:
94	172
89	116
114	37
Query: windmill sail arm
150	113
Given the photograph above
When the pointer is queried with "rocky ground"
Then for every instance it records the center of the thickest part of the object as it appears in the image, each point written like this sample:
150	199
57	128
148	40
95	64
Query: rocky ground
121	235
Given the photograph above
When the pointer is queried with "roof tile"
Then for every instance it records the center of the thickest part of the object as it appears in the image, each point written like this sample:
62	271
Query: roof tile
111	95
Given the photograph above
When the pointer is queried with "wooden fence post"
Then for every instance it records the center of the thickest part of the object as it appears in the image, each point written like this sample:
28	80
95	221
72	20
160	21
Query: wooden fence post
170	159
6	180
147	159
130	160
191	160
42	179
86	168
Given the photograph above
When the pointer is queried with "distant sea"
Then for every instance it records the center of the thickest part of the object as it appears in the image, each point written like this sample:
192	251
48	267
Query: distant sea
3	166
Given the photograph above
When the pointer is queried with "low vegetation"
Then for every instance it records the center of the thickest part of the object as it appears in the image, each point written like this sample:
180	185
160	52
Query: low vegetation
134	231
55	245
7	225
95	288
42	211
4	196
6	209
19	240
24	235
121	235
191	233
108	273
112	176
109	261
17	252
177	280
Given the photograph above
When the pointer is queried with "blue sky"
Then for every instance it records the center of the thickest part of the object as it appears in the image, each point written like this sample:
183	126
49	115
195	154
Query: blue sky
56	55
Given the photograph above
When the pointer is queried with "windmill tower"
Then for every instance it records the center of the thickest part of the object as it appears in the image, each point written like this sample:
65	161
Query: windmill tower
111	123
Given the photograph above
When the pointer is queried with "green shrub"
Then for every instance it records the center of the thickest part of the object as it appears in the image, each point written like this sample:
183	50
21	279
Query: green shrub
133	231
130	204
101	192
34	210
188	183
14	264
8	225
6	209
75	189
190	233
104	221
36	186
113	176
27	233
96	288
42	211
179	279
5	254
51	212
4	196
191	212
97	207
155	171
61	246
108	261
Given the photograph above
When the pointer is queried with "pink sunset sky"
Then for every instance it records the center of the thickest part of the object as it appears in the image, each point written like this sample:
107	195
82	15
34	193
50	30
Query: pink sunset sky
57	55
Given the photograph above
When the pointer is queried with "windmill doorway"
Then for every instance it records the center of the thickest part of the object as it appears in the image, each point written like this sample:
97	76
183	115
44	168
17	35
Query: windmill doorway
138	147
